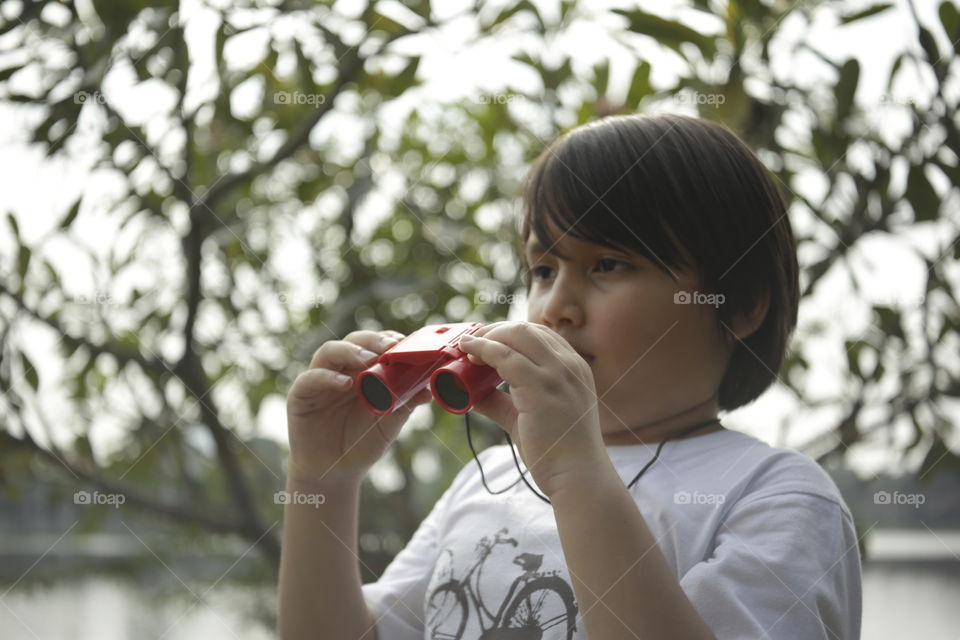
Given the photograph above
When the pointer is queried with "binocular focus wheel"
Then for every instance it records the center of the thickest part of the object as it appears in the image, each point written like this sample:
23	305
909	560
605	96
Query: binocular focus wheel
376	392
448	388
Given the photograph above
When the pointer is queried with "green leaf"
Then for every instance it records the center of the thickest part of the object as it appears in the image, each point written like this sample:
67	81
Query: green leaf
826	147
420	7
640	85
80	389
846	88
52	274
388	25
391	86
921	195
950	19
72	215
304	69
12	221
224	31
523	5
6	73
601	78
23	262
894	69
667	32
30	372
553	78
889	321
853	349
865	13
929	45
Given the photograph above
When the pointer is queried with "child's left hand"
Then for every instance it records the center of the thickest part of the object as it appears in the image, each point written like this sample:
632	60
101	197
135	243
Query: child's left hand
551	410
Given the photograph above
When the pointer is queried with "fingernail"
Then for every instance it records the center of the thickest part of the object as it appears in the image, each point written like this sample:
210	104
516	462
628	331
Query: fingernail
342	379
366	355
467	339
387	342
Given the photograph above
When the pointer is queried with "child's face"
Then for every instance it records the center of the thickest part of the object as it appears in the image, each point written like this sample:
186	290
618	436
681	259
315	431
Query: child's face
653	359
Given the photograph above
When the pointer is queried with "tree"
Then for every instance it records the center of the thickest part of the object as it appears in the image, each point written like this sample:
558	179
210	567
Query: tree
238	164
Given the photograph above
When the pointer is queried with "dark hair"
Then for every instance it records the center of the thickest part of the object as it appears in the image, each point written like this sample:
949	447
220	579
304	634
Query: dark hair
682	192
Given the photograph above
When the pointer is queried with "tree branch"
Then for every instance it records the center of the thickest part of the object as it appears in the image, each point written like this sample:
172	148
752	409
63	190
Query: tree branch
123	354
204	516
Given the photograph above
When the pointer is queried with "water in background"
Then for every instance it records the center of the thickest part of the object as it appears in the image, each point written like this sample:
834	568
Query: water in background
103	609
911	590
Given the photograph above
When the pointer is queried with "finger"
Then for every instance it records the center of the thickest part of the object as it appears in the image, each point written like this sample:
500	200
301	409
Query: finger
512	366
378	341
390	333
359	334
342	356
353	351
487	328
313	382
498	406
527	338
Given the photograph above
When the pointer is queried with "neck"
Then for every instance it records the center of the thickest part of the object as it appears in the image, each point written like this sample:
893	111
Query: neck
672	426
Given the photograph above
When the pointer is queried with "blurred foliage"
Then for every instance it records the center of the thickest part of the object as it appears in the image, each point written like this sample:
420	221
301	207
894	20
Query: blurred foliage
197	320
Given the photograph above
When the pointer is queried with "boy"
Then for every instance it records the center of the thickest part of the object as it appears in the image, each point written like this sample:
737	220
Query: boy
662	289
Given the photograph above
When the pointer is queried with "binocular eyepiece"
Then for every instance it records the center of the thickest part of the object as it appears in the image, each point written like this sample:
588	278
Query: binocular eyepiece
427	356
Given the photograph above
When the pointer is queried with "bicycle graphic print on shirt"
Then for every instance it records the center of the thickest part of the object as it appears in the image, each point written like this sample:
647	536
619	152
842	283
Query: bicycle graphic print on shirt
535	602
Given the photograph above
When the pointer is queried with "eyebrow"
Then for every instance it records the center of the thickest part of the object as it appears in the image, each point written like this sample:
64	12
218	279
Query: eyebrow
535	248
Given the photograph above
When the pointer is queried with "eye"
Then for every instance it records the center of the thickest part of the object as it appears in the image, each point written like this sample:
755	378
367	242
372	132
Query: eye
536	271
604	265
611	261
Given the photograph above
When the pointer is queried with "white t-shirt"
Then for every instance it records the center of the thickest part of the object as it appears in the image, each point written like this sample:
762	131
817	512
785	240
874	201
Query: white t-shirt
760	539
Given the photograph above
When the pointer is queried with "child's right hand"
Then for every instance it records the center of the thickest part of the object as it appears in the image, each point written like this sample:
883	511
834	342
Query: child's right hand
333	436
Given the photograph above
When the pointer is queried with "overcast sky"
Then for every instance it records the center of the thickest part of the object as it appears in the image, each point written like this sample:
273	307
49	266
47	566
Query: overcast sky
39	191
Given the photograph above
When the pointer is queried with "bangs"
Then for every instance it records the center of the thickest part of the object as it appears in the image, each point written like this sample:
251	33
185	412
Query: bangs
682	193
608	197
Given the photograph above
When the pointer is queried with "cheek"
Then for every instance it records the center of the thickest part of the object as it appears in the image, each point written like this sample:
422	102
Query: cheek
627	353
652	351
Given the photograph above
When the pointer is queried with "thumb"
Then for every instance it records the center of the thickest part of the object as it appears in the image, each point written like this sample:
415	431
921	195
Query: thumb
498	406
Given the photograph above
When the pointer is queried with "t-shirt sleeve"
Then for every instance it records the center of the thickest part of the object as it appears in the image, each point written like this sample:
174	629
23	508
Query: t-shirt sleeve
396	599
784	566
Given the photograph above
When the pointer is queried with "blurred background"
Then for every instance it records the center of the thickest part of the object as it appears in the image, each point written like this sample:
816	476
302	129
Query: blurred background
197	194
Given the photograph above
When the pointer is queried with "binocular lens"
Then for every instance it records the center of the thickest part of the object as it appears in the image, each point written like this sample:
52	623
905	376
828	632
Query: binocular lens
447	386
376	393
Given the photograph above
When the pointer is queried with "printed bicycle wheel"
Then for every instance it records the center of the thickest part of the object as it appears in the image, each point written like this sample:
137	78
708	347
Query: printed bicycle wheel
542	603
447	612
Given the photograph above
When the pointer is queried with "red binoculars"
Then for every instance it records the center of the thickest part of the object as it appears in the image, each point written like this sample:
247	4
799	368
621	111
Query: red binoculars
428	355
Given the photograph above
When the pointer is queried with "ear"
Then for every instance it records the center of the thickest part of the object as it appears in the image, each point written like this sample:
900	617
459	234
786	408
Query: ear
744	325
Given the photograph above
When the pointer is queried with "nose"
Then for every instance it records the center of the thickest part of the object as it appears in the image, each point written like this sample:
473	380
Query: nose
562	305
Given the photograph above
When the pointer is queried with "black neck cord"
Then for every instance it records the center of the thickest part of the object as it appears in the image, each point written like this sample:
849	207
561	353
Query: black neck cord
523	477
